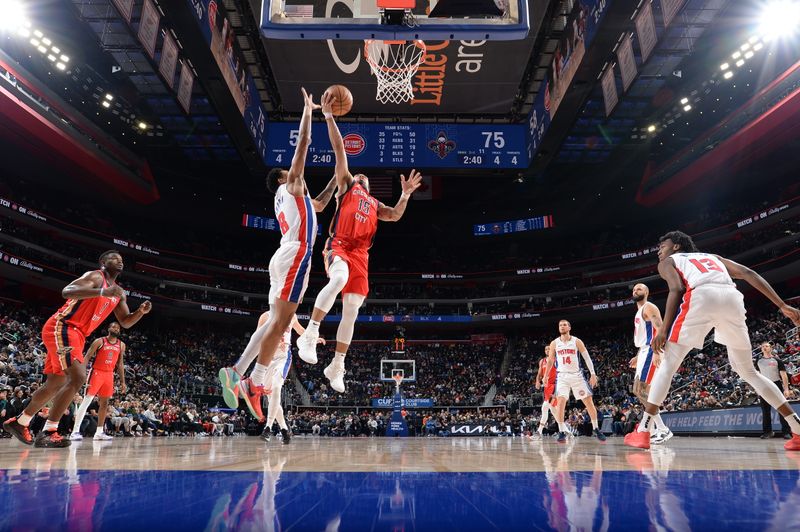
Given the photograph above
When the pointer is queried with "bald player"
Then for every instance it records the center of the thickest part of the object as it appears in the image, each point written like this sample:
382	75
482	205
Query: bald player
645	326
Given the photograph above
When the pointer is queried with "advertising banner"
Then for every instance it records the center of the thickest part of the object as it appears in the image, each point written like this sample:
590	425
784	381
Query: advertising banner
742	419
388	402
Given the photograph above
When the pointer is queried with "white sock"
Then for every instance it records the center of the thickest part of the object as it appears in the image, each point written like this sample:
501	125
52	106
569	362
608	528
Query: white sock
794	422
313	328
274	404
338	358
24	419
540	430
251	351
50	426
594	424
259	374
87	400
660	425
280	419
562	427
643	424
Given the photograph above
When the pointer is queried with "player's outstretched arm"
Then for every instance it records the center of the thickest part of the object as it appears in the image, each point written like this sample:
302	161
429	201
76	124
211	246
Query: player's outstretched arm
393	214
128	319
342	171
322	199
739	271
295	178
666	268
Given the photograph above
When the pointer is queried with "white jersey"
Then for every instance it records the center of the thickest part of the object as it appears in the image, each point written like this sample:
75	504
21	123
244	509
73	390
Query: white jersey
698	269
296	217
643	331
567	356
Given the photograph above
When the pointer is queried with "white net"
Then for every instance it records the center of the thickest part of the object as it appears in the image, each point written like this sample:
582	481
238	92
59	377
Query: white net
394	64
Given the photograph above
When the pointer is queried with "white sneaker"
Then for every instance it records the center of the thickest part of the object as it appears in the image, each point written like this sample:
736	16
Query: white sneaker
102	436
661	436
75	436
335	374
307	347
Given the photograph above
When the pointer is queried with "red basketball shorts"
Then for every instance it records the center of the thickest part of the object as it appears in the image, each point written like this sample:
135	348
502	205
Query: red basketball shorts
101	383
64	345
358	264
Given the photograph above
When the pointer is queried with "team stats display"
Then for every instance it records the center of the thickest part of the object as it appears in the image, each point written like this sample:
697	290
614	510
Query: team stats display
406	146
513	226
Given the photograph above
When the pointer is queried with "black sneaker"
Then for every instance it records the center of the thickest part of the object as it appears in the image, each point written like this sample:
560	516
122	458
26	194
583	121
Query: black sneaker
562	437
767	435
600	436
20	432
266	435
50	438
287	436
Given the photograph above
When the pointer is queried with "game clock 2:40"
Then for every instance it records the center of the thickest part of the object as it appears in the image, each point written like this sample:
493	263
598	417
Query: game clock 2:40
407	145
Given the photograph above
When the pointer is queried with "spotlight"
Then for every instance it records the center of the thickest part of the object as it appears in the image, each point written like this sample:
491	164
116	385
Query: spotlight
736	54
142	125
38	33
56	50
728	74
47	41
780	18
684	101
745	46
34	41
724	66
687	108
651	128
758	46
64	58
752	40
24	32
748	54
740	62
109	97
42	49
61	66
106	104
51	57
13	16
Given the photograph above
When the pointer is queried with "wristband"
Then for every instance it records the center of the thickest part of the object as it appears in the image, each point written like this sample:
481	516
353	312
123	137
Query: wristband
327	116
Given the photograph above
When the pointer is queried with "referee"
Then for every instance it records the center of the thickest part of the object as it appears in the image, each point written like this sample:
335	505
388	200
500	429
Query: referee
773	368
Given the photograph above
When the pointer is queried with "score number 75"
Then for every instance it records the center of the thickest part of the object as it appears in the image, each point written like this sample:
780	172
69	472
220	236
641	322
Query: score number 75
493	138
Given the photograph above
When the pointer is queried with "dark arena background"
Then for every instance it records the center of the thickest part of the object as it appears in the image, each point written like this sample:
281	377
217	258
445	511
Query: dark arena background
559	143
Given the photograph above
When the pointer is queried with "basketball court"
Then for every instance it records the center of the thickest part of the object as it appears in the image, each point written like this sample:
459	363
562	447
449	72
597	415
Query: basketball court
401	484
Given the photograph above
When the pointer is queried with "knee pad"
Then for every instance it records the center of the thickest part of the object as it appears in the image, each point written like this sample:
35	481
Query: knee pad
338	274
350	305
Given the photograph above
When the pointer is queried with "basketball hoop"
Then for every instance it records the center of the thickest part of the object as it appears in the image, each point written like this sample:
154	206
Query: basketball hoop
394	63
398	378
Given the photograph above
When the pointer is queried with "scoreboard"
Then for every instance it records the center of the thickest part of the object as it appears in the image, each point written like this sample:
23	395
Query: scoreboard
406	146
513	226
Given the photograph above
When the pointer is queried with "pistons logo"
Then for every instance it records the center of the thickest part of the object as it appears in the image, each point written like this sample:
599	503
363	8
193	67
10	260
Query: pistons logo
581	393
354	144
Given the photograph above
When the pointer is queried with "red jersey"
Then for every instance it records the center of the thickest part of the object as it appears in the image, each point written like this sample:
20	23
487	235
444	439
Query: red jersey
86	315
356	219
107	356
549	380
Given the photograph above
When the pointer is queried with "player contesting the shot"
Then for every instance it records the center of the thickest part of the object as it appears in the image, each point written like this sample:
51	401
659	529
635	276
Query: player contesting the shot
347	250
709	299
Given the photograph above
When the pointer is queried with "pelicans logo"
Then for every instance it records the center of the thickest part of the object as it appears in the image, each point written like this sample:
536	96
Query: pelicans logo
441	146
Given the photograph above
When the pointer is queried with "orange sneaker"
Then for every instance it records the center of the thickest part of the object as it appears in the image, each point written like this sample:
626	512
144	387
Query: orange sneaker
638	439
50	438
252	397
793	444
20	432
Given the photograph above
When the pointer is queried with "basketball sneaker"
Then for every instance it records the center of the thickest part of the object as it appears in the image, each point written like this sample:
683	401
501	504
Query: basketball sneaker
20	432
229	378
49	439
102	436
638	439
267	434
307	347
334	372
599	435
562	437
252	397
286	436
793	444
75	436
661	436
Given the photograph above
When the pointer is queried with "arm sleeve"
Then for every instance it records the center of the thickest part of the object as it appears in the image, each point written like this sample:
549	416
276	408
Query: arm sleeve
588	360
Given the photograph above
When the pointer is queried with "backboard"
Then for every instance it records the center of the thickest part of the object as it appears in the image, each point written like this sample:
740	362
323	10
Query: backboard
390	366
362	19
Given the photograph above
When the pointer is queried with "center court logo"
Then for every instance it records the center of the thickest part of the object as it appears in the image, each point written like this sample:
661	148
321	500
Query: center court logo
354	144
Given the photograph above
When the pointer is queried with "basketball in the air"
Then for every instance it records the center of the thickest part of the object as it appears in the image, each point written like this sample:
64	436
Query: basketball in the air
344	99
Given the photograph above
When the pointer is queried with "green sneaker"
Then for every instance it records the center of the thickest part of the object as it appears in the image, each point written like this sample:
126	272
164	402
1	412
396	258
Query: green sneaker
229	379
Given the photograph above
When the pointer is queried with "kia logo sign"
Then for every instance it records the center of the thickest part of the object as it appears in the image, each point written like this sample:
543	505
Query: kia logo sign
354	144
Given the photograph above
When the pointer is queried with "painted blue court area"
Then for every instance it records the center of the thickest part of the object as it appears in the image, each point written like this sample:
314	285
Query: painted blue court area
269	500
